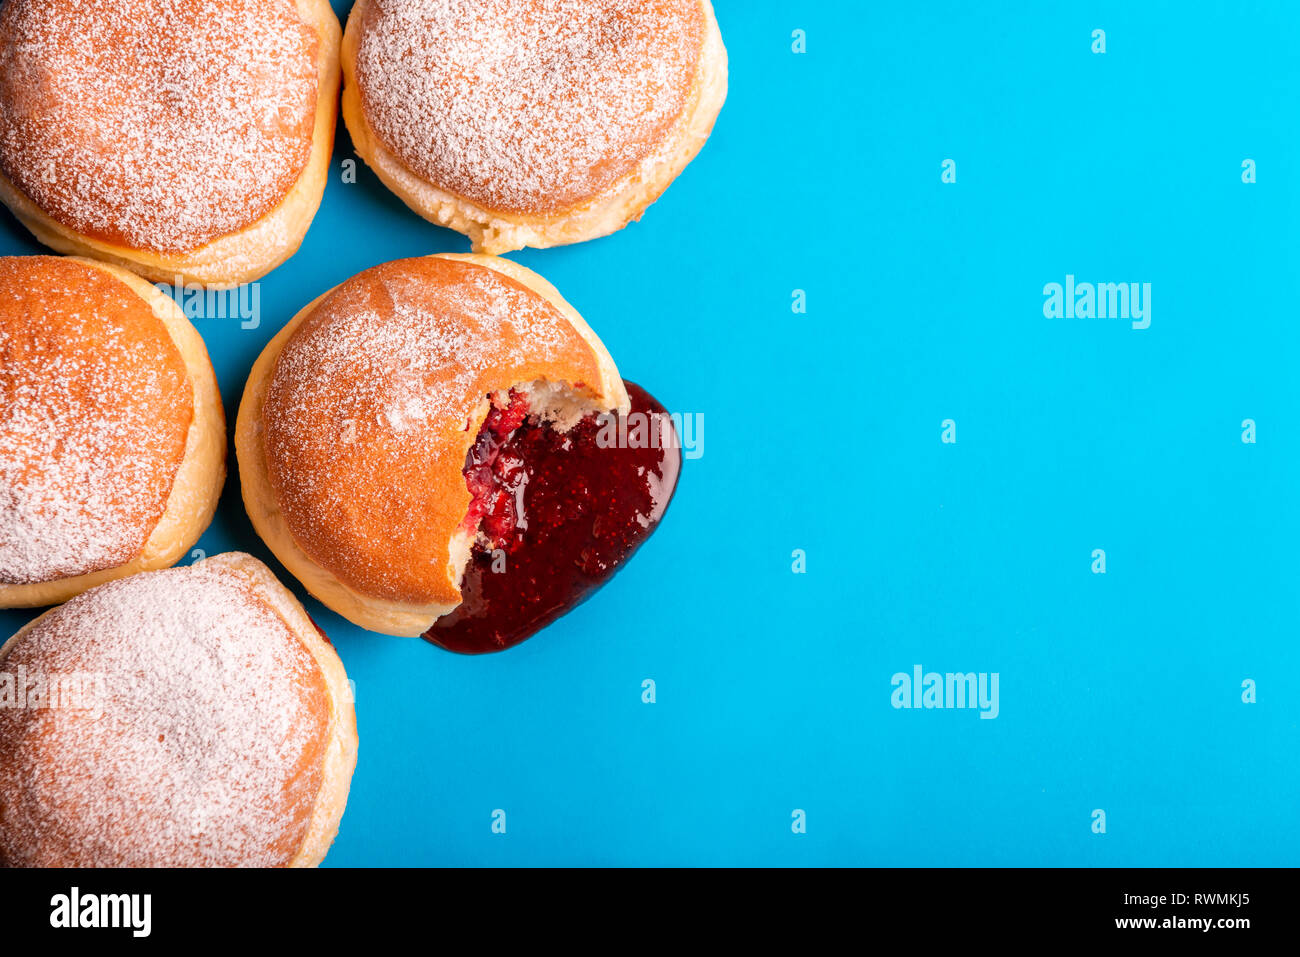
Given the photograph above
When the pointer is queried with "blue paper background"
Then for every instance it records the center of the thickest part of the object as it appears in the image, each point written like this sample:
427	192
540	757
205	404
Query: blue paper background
822	432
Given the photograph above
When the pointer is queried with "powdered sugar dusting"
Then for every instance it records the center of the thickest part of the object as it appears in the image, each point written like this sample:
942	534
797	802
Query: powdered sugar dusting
95	408
368	413
158	124
526	105
207	744
411	351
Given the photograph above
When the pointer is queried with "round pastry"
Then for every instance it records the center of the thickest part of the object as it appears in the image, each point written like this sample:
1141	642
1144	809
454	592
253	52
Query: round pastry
531	122
358	418
188	140
112	434
181	718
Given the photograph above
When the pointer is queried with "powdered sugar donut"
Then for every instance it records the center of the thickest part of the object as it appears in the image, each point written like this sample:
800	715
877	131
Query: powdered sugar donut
187	717
184	139
112	434
531	122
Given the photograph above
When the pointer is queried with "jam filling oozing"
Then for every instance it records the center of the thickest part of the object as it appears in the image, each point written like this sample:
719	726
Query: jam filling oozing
494	479
558	515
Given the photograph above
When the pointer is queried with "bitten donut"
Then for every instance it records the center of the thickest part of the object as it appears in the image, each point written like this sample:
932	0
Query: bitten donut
188	140
112	434
180	718
357	420
531	122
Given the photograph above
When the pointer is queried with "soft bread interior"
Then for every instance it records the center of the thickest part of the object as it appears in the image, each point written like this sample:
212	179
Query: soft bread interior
558	405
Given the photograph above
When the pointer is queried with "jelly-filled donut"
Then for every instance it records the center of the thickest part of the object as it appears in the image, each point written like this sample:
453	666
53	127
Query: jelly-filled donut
429	413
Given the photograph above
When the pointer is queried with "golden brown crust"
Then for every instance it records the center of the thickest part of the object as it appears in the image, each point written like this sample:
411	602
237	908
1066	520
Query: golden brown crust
178	223
504	194
356	420
128	411
95	405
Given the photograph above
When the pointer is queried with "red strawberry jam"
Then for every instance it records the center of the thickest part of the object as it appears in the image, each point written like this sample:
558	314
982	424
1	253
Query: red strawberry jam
559	515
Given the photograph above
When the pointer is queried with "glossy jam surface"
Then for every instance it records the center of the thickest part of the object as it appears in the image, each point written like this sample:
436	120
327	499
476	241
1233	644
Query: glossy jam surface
561	513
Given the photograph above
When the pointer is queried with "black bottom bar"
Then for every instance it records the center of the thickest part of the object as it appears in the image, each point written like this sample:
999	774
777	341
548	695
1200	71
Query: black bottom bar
333	906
